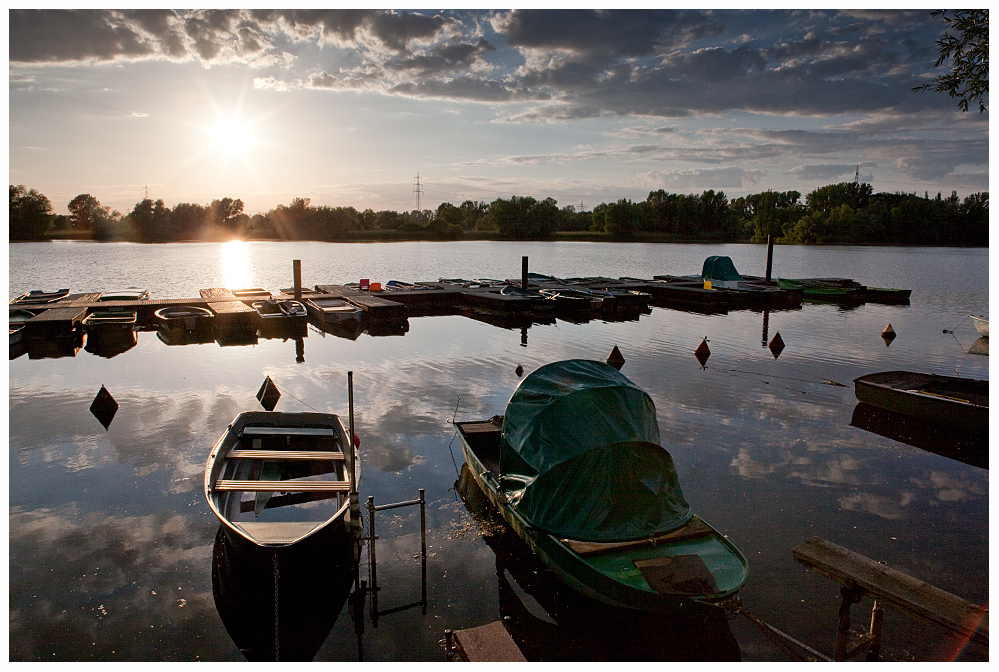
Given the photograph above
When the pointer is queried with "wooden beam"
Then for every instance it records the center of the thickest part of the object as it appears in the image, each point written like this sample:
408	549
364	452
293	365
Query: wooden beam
890	586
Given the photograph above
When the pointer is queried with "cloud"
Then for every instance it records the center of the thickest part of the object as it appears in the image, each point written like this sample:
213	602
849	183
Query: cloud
694	179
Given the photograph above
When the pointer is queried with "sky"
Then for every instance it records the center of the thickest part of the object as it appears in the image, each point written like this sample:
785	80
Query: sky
391	109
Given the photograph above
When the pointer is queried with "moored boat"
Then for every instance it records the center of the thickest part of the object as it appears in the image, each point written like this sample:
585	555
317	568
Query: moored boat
275	479
943	400
981	324
280	309
331	310
576	470
130	294
38	296
193	319
109	321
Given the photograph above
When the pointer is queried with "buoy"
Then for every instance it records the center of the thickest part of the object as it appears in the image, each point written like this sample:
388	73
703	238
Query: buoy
357	441
519	370
268	394
615	358
702	352
104	407
888	332
776	345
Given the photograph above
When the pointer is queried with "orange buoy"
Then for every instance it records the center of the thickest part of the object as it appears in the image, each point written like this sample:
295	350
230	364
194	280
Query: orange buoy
702	352
615	358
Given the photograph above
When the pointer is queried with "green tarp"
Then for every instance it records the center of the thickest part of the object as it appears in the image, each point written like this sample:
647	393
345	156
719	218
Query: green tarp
719	268
580	456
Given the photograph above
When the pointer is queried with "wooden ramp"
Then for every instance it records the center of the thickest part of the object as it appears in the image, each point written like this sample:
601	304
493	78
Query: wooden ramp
859	576
488	643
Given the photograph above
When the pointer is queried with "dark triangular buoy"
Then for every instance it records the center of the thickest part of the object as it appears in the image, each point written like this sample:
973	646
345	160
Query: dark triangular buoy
776	345
615	358
888	335
104	407
702	352
268	394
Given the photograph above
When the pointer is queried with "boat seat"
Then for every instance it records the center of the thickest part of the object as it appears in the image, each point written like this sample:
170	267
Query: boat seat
695	528
277	532
283	486
285	431
236	454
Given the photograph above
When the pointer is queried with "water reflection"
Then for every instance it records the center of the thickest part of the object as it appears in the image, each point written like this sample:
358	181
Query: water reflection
282	604
235	264
551	622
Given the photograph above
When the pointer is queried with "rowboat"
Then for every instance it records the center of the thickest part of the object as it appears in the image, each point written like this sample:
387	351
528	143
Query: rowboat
130	294
282	318
194	319
575	468
944	400
109	321
331	310
275	479
573	299
38	296
981	324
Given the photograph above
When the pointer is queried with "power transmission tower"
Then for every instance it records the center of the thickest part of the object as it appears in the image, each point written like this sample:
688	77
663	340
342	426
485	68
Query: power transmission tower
145	193
418	190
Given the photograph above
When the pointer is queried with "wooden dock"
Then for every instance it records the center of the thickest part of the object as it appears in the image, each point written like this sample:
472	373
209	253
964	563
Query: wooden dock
860	576
487	643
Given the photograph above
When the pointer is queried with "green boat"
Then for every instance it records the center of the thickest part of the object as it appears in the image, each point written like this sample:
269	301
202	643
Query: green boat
575	468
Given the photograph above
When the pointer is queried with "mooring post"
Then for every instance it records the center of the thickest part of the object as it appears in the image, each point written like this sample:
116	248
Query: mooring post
423	546
770	255
523	273
371	541
297	269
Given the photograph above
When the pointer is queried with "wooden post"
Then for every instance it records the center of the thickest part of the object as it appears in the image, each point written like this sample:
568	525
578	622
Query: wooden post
850	596
877	618
523	273
770	255
297	265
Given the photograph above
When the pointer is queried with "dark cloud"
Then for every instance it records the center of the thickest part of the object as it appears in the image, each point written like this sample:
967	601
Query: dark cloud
52	36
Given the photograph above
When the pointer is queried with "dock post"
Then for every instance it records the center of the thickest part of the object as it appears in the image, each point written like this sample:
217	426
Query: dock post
523	273
423	546
770	255
297	269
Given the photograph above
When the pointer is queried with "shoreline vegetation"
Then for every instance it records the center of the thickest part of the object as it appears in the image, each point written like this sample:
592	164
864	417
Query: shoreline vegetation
847	213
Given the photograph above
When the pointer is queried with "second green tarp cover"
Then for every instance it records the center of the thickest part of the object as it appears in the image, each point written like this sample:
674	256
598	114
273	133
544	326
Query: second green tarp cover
580	456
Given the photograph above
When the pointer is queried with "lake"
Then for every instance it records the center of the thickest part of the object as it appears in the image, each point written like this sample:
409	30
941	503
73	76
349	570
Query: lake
111	541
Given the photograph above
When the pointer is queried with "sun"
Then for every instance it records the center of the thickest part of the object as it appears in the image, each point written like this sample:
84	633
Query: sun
232	136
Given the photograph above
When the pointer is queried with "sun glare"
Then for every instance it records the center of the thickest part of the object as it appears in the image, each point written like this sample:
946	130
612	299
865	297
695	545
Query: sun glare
232	136
235	263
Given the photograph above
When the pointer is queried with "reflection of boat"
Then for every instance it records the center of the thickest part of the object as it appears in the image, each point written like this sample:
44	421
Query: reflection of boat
577	471
968	447
981	324
15	324
181	337
281	604
549	622
331	310
281	309
16	333
958	402
980	346
191	319
274	479
38	296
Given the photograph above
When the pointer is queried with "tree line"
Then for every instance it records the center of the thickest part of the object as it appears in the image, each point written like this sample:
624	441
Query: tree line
843	213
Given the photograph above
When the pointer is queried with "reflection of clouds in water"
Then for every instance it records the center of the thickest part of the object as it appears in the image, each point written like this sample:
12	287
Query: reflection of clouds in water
879	505
950	489
150	433
83	587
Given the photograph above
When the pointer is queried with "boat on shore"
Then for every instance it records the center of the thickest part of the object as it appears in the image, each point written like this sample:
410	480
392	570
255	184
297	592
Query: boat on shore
981	324
275	479
942	400
575	468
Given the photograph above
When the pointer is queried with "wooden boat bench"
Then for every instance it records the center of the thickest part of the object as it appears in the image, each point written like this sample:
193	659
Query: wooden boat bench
861	576
239	454
693	529
283	486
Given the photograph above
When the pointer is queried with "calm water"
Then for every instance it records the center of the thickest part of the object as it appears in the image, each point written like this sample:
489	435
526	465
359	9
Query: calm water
111	542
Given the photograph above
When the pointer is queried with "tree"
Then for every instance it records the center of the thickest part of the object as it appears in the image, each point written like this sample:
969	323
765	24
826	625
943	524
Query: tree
84	211
968	47
30	214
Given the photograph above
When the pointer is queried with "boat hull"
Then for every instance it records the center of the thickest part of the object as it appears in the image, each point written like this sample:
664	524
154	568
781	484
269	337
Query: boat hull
323	482
943	400
981	324
594	576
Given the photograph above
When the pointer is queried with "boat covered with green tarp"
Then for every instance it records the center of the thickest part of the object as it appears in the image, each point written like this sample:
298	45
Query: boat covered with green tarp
576	468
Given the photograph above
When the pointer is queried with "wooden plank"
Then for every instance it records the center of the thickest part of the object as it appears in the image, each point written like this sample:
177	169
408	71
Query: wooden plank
282	431
488	643
217	294
695	528
895	588
231	308
285	455
283	486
